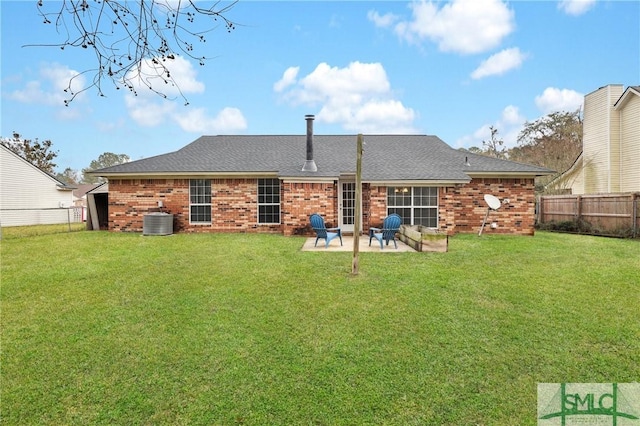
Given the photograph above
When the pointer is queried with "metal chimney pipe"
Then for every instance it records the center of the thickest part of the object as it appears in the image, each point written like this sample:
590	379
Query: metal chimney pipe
309	164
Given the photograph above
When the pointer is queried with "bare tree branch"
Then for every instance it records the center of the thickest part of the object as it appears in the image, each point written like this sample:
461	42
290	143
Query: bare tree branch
125	35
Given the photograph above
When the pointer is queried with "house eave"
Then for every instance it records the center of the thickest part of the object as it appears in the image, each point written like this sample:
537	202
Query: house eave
182	175
521	175
306	179
417	182
620	103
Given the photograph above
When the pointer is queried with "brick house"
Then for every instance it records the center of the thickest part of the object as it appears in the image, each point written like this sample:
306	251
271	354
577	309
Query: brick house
273	183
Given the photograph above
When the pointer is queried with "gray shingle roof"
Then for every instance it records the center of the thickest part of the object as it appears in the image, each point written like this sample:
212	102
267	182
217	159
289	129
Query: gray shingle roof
385	158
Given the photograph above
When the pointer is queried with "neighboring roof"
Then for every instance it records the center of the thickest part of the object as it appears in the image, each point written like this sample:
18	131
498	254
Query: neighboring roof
385	158
83	188
626	95
101	188
61	185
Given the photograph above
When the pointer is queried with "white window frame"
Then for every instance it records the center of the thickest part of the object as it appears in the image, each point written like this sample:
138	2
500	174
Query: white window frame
410	192
201	199
262	183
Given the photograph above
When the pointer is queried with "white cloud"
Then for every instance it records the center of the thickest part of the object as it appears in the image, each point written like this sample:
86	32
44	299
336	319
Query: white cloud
461	26
288	78
357	97
153	74
49	88
389	116
576	7
511	116
511	121
150	110
31	93
352	82
382	21
228	120
509	125
553	100
499	63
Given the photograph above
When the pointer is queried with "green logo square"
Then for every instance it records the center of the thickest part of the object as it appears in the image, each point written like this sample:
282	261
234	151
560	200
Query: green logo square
593	404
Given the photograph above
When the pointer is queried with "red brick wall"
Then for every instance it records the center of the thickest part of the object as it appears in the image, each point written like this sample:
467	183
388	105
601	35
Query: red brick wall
300	200
377	207
462	207
131	199
234	205
469	208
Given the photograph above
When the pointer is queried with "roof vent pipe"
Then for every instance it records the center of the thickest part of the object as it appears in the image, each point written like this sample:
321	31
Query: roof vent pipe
310	164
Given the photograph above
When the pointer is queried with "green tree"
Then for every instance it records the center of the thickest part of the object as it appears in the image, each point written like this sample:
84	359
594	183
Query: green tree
472	149
106	159
121	35
40	154
69	176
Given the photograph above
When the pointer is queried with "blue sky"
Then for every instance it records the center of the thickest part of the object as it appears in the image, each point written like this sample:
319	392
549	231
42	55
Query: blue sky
448	68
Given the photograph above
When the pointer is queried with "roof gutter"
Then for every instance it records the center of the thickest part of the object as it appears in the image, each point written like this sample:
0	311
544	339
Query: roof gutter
179	175
510	174
435	182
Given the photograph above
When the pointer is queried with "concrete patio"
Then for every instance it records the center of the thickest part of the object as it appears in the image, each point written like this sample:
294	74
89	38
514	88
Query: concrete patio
347	245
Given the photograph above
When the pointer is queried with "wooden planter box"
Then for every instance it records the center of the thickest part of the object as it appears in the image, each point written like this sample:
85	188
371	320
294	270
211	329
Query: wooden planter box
423	239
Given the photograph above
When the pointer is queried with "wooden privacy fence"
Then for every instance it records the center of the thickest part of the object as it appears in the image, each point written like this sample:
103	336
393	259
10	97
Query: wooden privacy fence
606	214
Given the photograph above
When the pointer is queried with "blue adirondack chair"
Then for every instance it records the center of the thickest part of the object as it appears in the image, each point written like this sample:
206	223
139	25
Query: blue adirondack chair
390	225
317	223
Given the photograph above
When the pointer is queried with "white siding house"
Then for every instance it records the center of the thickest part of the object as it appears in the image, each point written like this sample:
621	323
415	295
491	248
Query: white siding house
610	159
29	196
628	107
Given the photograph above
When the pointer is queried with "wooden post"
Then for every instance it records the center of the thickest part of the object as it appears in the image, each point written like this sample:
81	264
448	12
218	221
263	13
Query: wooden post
356	223
578	208
634	214
540	216
92	220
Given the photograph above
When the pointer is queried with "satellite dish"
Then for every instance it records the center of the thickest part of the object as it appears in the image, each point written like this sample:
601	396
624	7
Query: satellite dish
492	201
494	204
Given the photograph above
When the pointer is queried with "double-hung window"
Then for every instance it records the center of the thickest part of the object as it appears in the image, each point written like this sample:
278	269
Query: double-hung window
416	205
268	201
200	201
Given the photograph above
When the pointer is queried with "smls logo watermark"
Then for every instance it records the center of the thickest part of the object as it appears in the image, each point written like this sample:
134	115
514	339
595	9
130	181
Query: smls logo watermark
568	404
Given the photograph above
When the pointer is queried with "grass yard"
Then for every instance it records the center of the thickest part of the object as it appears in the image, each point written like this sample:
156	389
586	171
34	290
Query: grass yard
8	233
106	328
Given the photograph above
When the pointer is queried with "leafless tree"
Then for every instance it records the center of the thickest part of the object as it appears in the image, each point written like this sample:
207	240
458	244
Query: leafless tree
494	147
125	35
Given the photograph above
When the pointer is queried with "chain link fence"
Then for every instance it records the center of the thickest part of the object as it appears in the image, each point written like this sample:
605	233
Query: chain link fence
25	222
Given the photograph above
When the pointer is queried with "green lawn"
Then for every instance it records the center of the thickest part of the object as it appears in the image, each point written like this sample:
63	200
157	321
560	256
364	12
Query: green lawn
106	328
